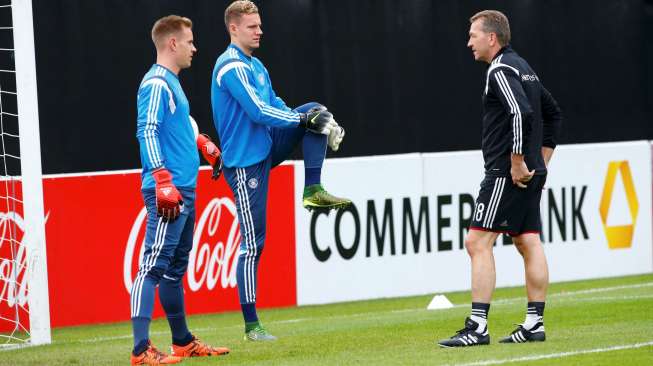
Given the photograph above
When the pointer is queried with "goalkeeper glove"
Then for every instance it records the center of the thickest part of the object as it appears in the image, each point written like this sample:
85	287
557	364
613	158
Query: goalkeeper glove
336	134
316	120
211	153
169	203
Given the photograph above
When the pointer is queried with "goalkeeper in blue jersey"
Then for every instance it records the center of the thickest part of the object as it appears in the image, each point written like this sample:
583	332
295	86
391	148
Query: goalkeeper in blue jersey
169	140
257	132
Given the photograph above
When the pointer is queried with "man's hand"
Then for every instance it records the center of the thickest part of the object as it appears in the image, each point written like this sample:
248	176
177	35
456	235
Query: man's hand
168	199
317	120
211	153
519	171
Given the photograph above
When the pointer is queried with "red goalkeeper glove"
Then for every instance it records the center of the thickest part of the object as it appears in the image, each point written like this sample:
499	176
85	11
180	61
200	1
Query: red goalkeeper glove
169	202
211	153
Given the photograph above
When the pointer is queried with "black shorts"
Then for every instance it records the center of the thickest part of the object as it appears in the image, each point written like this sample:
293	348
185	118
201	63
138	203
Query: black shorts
503	207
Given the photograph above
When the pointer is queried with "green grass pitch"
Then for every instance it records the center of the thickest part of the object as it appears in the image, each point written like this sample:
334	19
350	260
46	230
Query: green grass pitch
596	322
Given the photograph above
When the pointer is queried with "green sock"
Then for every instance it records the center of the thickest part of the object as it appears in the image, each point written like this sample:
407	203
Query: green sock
309	190
251	325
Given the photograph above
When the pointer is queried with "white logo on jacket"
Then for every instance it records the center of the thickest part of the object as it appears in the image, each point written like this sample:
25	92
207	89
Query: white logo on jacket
252	183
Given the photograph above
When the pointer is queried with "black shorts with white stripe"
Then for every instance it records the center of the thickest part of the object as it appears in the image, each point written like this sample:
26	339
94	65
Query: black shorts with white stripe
503	207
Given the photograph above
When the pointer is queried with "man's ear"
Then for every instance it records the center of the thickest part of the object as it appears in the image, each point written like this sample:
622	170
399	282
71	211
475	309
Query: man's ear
172	42
493	39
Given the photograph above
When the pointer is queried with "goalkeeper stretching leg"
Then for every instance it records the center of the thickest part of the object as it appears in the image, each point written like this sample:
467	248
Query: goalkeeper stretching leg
314	147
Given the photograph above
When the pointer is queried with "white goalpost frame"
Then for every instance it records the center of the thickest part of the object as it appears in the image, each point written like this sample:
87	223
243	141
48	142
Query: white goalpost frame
32	182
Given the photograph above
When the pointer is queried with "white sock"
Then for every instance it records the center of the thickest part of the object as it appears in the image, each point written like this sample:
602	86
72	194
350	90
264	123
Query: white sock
531	320
482	324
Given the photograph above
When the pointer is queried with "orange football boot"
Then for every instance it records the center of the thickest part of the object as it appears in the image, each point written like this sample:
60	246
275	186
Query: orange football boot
152	356
197	348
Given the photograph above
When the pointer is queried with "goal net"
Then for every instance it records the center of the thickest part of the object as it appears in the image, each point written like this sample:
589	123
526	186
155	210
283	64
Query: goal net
24	303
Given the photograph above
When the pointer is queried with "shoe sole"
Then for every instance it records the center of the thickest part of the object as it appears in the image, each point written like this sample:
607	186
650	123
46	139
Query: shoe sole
245	338
537	337
336	206
472	345
207	355
528	341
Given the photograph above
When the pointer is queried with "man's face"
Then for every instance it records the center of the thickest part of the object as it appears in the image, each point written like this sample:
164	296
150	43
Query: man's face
184	47
247	31
480	42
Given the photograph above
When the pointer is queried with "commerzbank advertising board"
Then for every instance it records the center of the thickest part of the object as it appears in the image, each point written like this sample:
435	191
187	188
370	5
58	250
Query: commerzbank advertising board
404	235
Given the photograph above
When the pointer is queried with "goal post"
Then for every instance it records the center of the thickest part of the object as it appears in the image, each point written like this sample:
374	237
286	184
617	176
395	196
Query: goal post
31	173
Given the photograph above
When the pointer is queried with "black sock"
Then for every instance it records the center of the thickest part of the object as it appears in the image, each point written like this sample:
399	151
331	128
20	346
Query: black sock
480	309
184	341
140	347
534	315
536	308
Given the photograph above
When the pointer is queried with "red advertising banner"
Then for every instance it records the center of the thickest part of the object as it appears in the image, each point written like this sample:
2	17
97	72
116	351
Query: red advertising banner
95	230
13	257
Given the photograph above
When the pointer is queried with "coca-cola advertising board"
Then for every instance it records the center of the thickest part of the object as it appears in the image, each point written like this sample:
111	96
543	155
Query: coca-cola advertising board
13	257
95	230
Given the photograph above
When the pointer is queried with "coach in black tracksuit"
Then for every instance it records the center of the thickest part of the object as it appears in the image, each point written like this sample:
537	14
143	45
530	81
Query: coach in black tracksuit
521	121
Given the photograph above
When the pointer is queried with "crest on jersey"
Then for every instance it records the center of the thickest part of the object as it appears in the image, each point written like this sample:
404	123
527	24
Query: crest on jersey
252	183
261	79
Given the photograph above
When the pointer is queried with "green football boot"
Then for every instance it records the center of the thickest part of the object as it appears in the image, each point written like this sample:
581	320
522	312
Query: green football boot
316	198
256	332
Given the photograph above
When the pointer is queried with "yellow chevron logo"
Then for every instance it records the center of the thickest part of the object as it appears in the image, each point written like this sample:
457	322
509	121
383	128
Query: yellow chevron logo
619	236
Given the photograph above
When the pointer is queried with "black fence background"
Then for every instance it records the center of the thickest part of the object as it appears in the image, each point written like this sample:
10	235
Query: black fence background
396	74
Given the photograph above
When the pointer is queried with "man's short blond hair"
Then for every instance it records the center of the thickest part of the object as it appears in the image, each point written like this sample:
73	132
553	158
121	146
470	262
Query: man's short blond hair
237	9
495	22
166	26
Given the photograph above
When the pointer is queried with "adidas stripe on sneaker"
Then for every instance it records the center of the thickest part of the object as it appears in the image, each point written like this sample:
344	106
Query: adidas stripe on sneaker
523	335
467	336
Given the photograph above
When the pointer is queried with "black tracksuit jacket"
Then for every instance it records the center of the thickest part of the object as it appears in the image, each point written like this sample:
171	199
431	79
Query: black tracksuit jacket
519	115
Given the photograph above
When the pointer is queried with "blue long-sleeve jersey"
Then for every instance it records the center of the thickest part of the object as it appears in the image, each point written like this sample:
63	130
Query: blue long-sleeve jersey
164	129
245	107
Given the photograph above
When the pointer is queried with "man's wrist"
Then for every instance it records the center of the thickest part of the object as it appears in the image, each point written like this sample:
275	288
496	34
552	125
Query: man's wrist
161	175
516	158
303	118
201	140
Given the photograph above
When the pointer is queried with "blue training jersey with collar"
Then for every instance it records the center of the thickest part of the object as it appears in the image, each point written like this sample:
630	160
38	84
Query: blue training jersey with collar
245	108
164	129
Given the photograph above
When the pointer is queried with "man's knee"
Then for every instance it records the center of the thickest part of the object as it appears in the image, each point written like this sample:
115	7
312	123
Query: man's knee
527	243
519	246
251	251
473	245
155	273
171	279
177	269
479	242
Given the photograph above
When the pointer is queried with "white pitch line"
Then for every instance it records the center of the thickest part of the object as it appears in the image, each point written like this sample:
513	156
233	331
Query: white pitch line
558	355
297	320
129	336
569	293
367	314
612	298
604	289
